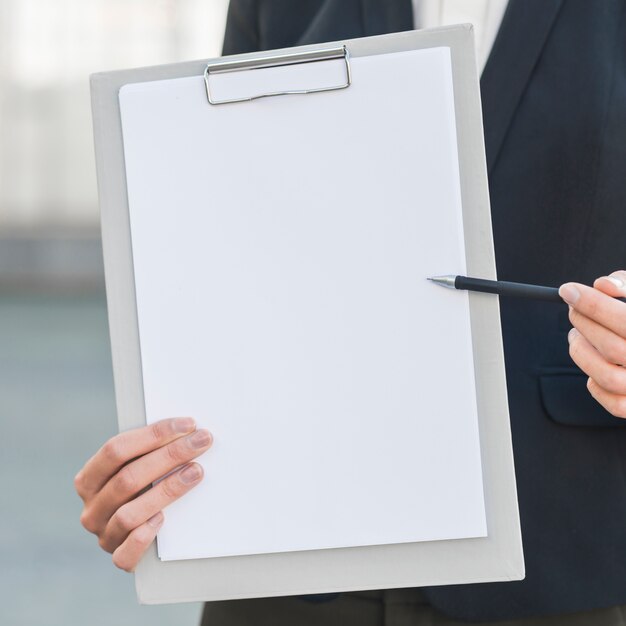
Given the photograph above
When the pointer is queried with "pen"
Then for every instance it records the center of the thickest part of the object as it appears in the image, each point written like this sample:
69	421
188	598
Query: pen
501	288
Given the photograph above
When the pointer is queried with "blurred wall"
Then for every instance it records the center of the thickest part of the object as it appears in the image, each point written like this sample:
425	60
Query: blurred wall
47	51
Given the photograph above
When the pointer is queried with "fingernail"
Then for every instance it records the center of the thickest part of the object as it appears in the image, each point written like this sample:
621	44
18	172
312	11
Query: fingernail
618	282
156	520
191	474
183	425
200	439
569	293
572	335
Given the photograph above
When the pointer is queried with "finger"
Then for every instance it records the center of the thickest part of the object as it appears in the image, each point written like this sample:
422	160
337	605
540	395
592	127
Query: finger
613	285
614	403
610	377
141	473
596	305
127	555
133	514
611	346
124	447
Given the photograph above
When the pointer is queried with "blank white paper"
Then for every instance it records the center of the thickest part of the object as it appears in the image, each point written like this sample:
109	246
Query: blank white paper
281	249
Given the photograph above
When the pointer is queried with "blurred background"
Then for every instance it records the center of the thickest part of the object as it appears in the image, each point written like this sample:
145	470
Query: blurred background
56	391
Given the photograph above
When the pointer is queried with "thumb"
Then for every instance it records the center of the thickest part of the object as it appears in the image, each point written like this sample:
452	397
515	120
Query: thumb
613	285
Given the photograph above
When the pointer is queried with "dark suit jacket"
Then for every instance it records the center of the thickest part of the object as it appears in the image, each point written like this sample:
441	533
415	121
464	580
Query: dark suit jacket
554	105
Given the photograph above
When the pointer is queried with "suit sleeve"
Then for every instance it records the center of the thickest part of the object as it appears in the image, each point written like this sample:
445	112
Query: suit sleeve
241	27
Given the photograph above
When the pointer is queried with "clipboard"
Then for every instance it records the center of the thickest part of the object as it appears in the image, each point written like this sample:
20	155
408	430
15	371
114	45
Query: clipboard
494	557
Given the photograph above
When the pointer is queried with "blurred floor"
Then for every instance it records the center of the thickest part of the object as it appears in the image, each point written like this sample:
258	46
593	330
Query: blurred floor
56	408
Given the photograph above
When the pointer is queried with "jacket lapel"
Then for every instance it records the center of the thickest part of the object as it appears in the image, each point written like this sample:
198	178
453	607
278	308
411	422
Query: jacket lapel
388	16
344	19
524	31
335	19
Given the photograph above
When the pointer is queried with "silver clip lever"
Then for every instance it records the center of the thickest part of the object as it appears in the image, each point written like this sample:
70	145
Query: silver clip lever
276	60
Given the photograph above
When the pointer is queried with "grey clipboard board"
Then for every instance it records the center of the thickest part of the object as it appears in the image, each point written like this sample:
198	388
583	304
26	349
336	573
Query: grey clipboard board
497	557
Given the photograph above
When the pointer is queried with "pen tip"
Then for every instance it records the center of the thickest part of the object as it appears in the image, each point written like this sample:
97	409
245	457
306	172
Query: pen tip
445	281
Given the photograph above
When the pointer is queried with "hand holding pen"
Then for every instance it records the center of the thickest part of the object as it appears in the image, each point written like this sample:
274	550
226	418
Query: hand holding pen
597	341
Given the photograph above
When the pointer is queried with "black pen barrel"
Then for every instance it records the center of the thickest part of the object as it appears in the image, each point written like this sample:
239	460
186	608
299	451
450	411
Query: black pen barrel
504	288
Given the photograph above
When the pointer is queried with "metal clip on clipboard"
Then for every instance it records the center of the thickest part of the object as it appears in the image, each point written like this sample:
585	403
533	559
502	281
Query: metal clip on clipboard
276	60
